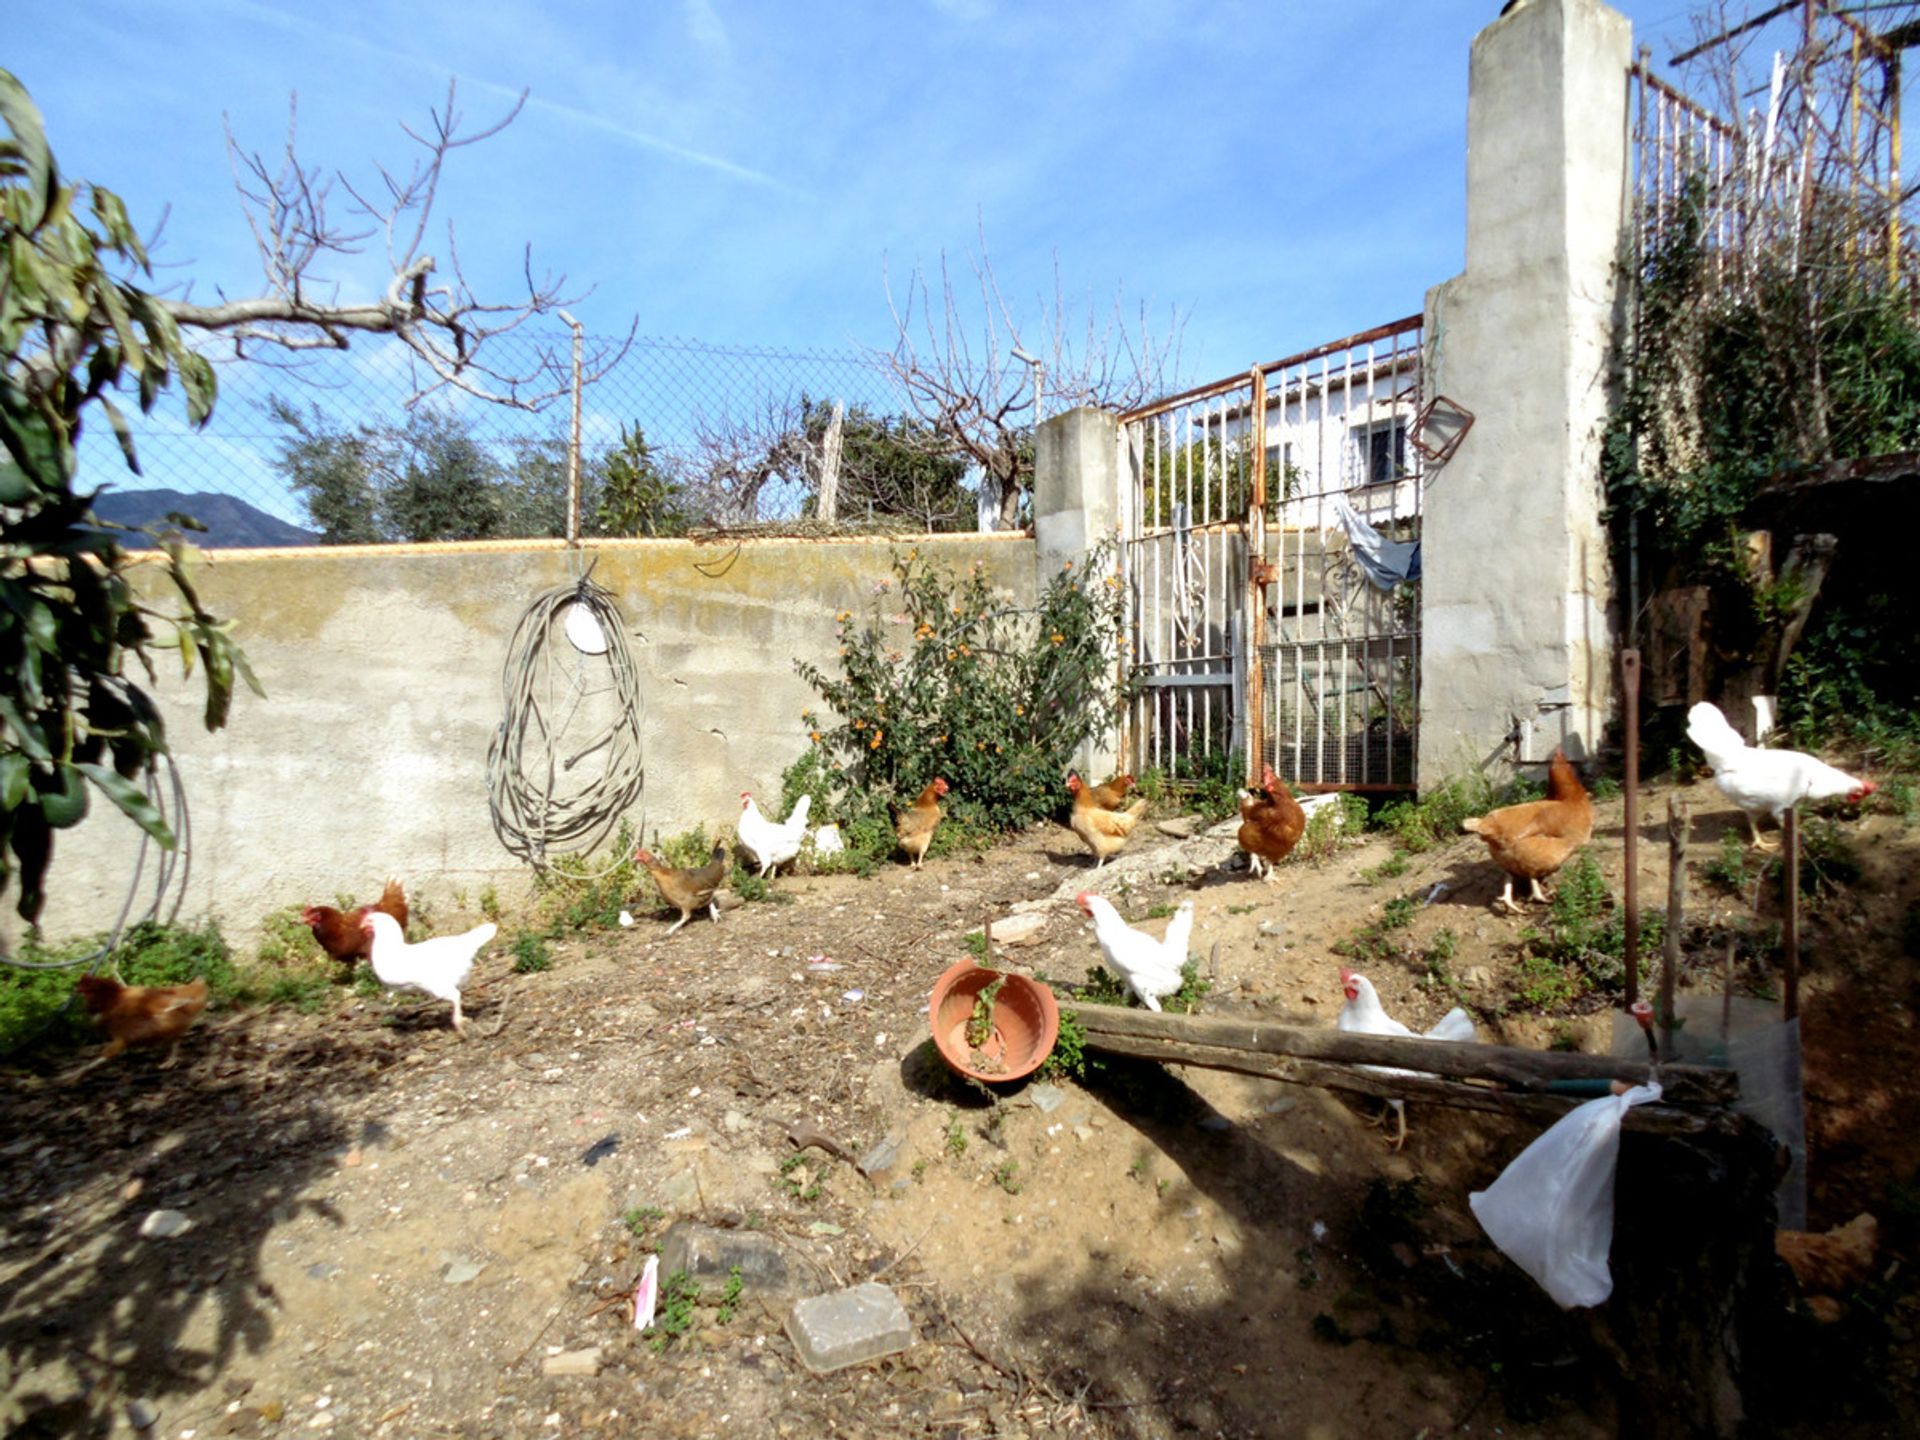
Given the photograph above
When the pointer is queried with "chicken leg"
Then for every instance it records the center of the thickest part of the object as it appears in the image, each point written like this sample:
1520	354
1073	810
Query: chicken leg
1397	1109
1537	895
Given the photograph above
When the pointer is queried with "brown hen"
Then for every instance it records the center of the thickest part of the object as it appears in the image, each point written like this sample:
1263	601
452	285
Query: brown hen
1271	823
690	889
141	1014
1104	830
1532	841
913	827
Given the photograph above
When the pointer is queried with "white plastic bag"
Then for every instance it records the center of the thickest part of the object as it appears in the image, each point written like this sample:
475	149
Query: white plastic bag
1551	1210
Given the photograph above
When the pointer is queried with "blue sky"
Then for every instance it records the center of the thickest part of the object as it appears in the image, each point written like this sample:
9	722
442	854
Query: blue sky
746	173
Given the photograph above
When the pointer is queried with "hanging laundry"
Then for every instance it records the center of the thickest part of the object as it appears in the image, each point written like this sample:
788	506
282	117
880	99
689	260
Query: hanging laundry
1385	562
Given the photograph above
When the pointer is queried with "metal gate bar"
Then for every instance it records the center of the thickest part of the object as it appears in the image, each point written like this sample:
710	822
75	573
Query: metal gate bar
1255	633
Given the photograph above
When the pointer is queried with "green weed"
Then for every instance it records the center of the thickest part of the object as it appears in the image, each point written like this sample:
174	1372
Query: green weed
530	954
804	1185
730	1295
674	1314
641	1219
1069	1054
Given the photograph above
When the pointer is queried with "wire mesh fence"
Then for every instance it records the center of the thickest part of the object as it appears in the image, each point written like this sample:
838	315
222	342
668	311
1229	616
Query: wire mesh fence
340	447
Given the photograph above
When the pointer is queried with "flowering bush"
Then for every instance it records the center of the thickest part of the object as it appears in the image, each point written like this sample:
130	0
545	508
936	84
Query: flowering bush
943	678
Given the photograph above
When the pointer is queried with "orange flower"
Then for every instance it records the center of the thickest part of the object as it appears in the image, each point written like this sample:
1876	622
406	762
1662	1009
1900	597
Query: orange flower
859	724
878	736
814	735
1019	709
1058	638
940	740
950	654
1067	566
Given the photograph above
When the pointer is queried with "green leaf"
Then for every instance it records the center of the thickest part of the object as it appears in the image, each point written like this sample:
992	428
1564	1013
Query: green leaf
121	433
115	305
14	768
27	736
197	379
30	137
32	441
15	486
132	800
64	803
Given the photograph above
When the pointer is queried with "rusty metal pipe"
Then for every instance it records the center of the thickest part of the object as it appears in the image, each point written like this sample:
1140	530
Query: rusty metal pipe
1630	825
1790	936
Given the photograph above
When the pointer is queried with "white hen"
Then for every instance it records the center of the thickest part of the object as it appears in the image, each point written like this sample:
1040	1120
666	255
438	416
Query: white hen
1363	1014
1150	967
439	966
772	845
1761	781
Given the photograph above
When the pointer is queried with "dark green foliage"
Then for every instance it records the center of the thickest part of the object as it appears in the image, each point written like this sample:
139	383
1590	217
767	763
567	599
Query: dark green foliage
76	330
1582	946
530	954
990	698
39	1006
1434	819
892	465
1813	356
638	495
331	469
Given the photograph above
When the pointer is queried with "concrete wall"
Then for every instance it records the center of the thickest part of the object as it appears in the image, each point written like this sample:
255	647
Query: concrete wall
1516	581
382	667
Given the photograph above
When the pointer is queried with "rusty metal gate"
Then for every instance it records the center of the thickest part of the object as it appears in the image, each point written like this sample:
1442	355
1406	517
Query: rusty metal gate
1270	527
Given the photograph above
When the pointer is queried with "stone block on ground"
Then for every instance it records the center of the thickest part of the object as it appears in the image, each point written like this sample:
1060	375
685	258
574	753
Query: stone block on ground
882	1157
1023	929
707	1255
849	1327
573	1362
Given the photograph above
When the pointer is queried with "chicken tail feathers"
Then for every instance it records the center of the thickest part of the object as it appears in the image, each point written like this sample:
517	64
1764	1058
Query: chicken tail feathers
1717	739
1455	1025
1179	930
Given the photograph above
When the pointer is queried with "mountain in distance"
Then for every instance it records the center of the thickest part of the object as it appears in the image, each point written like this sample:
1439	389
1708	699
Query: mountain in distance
231	523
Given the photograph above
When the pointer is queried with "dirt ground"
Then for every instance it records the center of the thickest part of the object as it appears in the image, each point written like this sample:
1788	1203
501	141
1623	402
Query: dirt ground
394	1232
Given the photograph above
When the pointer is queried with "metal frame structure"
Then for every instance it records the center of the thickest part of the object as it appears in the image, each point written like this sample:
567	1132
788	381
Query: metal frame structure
1262	517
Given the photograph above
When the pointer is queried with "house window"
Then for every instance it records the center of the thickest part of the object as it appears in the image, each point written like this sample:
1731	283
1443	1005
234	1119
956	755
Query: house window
1383	451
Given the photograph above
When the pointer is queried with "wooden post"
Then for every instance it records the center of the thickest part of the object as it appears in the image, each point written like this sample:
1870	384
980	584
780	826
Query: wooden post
1790	936
1630	885
1678	823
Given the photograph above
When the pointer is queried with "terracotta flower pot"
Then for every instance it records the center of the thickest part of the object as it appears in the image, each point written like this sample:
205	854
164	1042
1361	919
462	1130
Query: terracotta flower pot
1026	1021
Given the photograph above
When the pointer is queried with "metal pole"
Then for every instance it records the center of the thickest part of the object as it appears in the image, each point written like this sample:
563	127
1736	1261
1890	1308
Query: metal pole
1678	821
1790	938
1630	726
573	441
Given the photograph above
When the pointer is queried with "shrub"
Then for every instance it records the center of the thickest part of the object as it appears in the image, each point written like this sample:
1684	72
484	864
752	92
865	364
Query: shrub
944	679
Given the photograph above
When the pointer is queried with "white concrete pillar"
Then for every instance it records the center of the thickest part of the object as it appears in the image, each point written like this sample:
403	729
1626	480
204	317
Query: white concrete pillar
1516	578
1076	505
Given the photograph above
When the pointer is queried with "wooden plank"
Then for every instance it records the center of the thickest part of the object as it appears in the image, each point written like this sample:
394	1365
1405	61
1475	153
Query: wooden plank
1526	1070
1536	1106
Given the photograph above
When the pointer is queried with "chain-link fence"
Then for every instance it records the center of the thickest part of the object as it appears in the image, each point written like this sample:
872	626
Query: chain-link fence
324	447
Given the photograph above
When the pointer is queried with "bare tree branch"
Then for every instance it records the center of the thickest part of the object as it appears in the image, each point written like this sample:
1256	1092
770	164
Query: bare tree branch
444	325
954	360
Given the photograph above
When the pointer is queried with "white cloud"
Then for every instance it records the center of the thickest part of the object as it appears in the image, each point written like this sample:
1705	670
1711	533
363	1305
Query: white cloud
706	28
